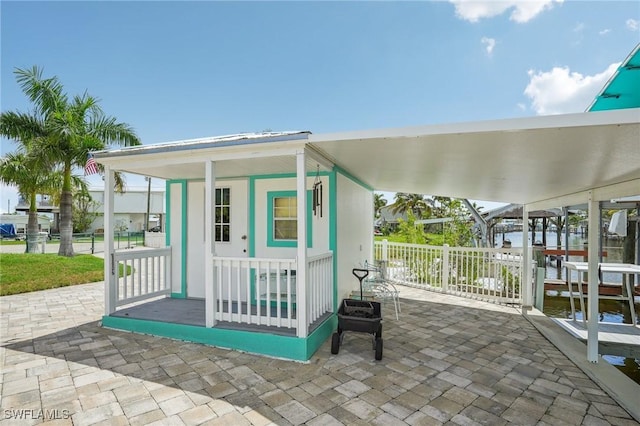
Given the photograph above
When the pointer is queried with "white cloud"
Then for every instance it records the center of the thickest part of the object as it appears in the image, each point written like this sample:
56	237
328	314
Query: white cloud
633	24
605	31
521	106
561	91
523	11
579	27
489	43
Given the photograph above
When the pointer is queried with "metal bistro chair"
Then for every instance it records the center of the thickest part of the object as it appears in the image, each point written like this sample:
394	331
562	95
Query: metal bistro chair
378	286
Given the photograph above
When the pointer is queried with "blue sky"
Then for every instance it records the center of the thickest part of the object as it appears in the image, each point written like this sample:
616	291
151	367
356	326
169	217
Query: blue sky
180	70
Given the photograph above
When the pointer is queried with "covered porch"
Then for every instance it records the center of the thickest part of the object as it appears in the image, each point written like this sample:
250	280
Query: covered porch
220	279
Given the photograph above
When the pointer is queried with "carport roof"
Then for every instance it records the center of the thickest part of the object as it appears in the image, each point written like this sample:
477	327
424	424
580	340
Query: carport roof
522	160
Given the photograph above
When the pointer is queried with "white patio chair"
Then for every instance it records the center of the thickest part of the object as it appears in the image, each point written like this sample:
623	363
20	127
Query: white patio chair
378	286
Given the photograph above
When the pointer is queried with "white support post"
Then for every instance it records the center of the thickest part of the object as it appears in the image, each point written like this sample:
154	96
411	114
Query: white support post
110	281
592	292
526	290
385	251
301	274
444	285
209	239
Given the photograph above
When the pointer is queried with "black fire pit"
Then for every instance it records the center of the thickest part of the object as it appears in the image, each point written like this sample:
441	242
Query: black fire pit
361	316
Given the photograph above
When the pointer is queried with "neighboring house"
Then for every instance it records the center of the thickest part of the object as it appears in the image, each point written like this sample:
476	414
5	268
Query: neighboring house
258	261
130	210
388	218
19	221
44	205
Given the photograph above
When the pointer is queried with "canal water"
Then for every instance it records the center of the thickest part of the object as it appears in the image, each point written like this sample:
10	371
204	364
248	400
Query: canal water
610	311
559	307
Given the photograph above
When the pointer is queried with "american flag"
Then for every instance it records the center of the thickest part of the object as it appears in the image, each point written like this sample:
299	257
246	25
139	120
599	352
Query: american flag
90	167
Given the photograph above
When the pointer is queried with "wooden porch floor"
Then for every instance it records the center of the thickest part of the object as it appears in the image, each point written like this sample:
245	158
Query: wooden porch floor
192	312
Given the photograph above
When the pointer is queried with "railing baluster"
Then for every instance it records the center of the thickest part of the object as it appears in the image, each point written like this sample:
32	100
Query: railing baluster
486	273
139	274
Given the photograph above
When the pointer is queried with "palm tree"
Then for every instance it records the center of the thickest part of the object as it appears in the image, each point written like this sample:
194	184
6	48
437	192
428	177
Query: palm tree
416	203
31	178
74	128
378	202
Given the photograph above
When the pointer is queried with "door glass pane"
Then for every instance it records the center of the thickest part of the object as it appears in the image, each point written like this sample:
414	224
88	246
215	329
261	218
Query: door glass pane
223	215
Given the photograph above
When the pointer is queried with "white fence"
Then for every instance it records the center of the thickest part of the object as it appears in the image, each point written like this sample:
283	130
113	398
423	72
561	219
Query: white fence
261	291
493	274
141	275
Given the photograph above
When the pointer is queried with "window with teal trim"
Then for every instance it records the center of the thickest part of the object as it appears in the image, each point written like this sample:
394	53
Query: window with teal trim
285	221
282	219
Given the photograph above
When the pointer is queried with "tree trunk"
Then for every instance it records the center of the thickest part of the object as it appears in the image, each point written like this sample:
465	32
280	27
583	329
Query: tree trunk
32	226
66	224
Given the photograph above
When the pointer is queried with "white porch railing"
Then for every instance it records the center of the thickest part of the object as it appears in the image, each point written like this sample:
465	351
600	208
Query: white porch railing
493	274
262	291
320	285
140	275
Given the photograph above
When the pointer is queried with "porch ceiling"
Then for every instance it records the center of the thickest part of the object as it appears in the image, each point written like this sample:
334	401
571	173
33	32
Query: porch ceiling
224	169
516	160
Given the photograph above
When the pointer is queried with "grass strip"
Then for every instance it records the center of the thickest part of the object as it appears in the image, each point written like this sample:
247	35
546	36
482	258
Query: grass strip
23	272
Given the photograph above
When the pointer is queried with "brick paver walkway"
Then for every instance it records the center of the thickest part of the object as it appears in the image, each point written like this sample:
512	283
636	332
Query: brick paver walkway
446	361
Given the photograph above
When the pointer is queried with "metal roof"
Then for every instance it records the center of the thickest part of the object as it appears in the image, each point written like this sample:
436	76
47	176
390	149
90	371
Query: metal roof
204	143
623	88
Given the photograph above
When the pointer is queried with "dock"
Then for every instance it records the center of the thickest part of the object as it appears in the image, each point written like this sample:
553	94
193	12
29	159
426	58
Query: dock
613	338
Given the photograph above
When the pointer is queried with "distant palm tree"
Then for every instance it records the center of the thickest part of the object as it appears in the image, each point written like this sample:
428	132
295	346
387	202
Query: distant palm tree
378	202
73	129
418	204
31	179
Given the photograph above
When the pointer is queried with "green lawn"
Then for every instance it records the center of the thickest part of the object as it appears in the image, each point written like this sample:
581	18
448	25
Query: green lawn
22	273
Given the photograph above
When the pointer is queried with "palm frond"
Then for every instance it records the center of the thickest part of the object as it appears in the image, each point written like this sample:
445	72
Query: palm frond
21	127
108	130
47	94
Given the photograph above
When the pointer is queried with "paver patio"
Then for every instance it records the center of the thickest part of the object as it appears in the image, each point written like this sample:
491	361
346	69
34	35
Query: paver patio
448	360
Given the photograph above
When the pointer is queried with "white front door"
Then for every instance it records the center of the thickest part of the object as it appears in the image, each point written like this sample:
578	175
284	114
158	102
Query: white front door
230	217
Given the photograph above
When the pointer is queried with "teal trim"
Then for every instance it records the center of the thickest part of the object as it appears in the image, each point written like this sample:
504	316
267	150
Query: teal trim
272	242
333	232
183	229
288	347
320	335
345	173
167	219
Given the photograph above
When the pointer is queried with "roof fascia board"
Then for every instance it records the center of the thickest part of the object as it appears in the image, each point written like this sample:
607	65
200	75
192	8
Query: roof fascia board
147	160
605	193
318	156
615	117
200	144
